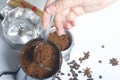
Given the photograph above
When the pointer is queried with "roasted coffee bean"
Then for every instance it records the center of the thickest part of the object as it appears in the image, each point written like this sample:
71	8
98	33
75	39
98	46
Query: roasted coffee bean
90	79
100	61
68	74
79	71
89	76
62	74
100	76
102	46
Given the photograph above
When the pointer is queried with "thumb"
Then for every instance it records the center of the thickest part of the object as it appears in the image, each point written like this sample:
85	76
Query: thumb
61	5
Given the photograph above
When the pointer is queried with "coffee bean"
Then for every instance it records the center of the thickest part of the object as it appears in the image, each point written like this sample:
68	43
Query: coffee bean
79	71
68	74
102	46
100	76
90	79
100	61
62	74
70	79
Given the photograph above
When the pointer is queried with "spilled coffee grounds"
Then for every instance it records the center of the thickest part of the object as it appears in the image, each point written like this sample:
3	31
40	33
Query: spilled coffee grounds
38	60
62	42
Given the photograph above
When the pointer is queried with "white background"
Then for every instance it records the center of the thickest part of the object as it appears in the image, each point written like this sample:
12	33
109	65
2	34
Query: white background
91	32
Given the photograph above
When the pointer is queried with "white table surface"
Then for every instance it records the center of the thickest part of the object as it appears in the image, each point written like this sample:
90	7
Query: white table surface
91	32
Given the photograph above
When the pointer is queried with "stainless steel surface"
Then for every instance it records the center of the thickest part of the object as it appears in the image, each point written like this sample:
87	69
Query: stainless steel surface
0	29
9	58
21	25
4	8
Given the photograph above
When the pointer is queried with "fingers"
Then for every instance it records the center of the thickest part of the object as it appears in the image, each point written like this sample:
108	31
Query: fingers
46	16
61	23
75	12
61	5
58	23
69	24
63	16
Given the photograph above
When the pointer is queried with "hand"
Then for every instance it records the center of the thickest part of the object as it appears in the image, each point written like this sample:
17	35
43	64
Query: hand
66	11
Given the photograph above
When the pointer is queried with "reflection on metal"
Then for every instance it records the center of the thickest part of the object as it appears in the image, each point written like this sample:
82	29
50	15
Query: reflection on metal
20	25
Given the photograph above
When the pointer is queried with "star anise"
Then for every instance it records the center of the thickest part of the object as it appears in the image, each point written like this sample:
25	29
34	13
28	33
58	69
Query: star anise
86	56
113	61
87	72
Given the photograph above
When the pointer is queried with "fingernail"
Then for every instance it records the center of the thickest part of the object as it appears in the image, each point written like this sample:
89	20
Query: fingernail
51	9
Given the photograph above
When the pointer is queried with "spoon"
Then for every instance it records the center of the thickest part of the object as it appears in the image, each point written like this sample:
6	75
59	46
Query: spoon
45	38
46	32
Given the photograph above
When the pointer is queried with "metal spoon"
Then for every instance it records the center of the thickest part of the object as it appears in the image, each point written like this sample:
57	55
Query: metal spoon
46	32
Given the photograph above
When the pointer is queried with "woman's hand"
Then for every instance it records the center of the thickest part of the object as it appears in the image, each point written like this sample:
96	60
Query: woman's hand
66	11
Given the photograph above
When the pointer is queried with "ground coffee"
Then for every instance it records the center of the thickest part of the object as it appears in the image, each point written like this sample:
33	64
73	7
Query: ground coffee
39	60
62	42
